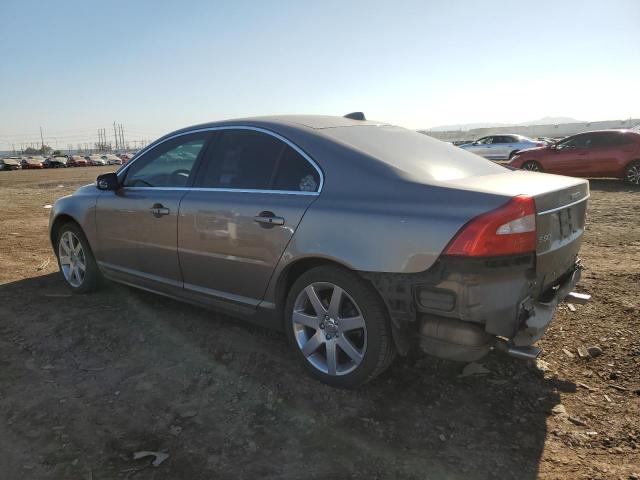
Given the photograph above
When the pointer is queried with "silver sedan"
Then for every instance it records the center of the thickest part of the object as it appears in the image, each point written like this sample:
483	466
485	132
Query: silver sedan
359	239
501	147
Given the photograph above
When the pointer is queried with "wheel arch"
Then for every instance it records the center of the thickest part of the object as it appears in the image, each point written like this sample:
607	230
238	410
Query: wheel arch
293	271
57	222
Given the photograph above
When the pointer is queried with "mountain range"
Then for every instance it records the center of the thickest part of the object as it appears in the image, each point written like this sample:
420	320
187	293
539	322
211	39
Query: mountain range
471	126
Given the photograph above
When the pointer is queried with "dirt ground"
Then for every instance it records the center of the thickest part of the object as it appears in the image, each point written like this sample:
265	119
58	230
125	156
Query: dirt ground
85	381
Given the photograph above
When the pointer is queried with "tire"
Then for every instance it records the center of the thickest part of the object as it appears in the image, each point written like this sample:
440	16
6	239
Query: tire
632	173
79	281
532	166
356	327
513	154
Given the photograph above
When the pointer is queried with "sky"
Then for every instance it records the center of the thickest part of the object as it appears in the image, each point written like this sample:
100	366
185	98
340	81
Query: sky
72	67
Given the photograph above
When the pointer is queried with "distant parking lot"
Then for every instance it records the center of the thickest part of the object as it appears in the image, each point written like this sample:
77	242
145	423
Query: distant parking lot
88	380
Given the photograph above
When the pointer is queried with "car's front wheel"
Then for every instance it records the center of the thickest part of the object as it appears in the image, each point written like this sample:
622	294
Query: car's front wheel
532	166
75	259
339	327
632	173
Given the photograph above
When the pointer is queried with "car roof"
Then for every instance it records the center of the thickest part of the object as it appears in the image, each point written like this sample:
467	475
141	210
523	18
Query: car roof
314	122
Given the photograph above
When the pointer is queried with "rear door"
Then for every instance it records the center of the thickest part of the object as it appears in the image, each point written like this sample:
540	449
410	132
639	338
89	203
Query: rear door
137	224
250	194
607	153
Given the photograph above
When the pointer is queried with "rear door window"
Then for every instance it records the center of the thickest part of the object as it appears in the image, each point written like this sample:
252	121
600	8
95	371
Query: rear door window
295	173
241	160
246	159
611	140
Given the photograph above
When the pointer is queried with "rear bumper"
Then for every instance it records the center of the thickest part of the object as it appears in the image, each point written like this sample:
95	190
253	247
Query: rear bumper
540	313
459	309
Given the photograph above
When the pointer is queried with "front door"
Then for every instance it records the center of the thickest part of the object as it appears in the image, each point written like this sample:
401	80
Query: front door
570	156
137	224
249	197
499	146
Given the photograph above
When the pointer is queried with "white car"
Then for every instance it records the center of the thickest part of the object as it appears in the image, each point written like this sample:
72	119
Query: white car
97	161
112	160
501	147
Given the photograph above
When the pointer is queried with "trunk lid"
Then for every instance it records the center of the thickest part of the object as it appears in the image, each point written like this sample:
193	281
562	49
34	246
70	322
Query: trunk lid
561	206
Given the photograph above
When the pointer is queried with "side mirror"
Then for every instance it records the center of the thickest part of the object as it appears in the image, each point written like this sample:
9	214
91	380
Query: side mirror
107	181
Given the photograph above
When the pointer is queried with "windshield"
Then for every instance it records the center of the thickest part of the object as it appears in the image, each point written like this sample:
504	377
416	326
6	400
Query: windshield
418	155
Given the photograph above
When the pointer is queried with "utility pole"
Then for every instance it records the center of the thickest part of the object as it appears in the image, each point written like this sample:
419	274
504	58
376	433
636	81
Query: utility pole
115	134
121	137
42	140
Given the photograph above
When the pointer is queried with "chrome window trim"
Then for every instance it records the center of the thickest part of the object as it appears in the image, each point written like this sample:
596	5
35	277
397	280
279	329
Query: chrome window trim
557	209
231	127
230	190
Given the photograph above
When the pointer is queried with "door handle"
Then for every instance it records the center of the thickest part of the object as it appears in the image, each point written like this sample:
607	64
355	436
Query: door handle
268	219
158	210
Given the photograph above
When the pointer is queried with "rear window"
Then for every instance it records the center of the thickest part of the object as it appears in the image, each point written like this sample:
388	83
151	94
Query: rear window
415	153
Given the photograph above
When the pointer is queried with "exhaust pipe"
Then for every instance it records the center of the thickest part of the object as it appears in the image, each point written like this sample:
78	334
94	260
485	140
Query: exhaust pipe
524	353
528	352
579	298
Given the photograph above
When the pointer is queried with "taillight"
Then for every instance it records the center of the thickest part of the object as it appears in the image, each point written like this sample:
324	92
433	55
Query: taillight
509	229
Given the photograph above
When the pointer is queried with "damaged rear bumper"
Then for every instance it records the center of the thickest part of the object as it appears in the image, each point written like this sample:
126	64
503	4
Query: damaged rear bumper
540	313
459	310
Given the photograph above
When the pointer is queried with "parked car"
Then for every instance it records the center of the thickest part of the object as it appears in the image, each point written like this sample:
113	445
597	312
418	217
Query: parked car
11	163
32	163
55	162
96	161
359	239
125	157
77	161
605	153
112	159
501	147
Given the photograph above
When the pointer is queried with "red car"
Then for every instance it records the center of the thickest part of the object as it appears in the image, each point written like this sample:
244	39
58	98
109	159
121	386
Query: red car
32	162
77	161
606	153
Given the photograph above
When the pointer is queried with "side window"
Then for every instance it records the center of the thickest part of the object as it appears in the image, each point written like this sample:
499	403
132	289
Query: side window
484	141
167	165
613	139
295	173
579	141
242	159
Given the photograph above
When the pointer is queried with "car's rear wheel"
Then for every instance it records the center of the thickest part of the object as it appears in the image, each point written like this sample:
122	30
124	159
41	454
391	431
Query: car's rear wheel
75	259
632	173
532	166
339	327
513	154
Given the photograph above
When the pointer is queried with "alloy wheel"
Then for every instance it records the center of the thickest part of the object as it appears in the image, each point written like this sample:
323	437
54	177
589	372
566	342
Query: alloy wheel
531	166
329	328
633	174
72	259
